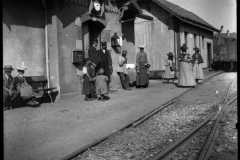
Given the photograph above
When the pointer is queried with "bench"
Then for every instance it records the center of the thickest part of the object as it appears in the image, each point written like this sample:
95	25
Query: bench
39	84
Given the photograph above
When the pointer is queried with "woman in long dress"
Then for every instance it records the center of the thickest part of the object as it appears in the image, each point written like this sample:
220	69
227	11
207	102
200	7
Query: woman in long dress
197	67
185	72
169	71
142	66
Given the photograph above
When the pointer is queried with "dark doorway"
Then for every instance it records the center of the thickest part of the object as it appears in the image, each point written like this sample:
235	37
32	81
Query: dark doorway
95	33
209	54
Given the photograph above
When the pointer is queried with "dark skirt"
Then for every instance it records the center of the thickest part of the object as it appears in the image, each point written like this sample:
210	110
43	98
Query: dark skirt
142	77
88	86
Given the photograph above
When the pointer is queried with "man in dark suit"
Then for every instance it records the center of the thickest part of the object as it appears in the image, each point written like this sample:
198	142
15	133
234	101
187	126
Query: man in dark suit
105	61
93	55
8	86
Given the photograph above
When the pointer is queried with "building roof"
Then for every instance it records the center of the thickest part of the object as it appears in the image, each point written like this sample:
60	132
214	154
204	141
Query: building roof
224	35
184	15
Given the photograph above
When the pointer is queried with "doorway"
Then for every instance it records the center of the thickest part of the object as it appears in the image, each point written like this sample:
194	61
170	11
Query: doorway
209	54
95	33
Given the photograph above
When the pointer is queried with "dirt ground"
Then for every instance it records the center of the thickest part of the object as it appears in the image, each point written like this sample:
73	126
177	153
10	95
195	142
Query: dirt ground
52	132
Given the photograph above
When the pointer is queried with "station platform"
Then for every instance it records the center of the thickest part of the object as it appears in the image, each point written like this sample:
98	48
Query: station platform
52	132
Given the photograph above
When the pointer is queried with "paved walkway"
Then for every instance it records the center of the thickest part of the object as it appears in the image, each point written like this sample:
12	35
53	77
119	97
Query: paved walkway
52	132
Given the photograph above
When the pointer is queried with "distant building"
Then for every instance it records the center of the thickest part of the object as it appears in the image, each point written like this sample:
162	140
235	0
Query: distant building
225	46
171	27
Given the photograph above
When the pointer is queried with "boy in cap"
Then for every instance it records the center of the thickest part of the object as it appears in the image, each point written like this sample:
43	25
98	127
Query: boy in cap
8	86
122	70
101	85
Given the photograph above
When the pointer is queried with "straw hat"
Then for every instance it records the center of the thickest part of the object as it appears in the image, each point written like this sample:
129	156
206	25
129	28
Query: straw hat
8	68
22	67
141	46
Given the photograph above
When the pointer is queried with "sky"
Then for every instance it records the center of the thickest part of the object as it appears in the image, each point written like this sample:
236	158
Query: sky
215	12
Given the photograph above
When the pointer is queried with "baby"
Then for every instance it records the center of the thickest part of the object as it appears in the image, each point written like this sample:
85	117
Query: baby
101	85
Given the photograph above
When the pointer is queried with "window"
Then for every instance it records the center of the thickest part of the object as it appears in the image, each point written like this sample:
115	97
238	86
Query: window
195	40
203	41
185	37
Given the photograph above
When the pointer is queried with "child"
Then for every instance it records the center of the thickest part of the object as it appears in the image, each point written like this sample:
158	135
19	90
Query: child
101	85
169	71
88	74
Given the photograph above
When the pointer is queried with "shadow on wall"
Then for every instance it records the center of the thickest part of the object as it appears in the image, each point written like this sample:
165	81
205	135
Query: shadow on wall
32	13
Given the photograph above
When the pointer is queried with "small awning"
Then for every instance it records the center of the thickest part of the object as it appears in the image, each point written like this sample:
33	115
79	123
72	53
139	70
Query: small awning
144	16
86	17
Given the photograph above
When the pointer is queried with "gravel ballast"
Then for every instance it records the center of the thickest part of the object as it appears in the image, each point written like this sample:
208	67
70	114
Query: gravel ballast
165	127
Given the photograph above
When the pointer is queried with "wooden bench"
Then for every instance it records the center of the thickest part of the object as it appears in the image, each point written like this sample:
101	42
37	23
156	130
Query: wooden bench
39	84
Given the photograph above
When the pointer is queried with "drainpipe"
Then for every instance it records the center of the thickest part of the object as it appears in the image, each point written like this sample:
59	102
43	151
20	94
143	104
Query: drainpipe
46	44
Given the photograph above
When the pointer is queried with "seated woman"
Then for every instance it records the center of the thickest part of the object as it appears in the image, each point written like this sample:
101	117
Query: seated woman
25	90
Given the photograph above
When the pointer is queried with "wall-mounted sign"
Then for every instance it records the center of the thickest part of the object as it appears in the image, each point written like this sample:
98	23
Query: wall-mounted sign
105	36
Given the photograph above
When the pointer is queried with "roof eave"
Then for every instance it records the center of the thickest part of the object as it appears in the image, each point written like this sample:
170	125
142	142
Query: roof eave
201	26
136	6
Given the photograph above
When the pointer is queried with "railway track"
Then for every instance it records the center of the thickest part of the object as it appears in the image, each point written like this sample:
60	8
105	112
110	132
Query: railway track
208	145
132	125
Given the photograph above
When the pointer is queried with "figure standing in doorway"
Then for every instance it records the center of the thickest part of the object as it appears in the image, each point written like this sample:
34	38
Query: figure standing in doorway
197	68
142	66
185	72
94	56
105	60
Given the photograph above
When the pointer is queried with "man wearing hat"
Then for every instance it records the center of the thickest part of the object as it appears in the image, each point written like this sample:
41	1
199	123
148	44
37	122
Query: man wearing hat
122	70
185	72
105	61
197	68
25	90
142	66
93	55
8	86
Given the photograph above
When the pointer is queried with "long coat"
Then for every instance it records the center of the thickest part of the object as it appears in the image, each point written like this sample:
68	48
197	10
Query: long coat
8	86
101	84
105	61
94	57
142	76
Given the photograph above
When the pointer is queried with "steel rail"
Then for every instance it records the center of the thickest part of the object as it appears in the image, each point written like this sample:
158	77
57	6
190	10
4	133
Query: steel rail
167	151
96	142
152	113
208	145
174	146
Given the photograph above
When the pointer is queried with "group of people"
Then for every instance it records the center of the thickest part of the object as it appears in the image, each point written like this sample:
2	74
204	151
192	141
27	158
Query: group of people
190	69
98	68
16	86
